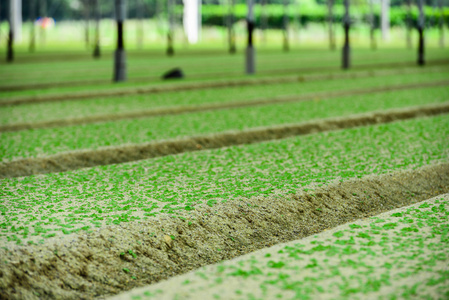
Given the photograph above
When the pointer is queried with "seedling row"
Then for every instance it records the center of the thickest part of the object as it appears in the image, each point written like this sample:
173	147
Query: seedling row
40	207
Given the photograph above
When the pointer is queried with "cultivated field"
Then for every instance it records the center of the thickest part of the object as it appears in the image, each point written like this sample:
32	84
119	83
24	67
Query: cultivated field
105	187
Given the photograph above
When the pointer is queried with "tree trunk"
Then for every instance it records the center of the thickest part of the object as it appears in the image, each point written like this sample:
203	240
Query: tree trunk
421	23
330	9
250	65
32	15
120	55
372	26
170	8
86	20
285	26
96	6
346	46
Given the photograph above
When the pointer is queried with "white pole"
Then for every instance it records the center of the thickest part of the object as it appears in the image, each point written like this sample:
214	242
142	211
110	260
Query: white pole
16	19
385	22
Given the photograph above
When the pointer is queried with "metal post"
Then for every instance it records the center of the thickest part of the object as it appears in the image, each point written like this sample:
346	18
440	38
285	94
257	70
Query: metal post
120	55
250	65
421	33
346	47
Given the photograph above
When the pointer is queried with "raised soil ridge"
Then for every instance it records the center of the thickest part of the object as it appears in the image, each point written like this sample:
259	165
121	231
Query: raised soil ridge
102	262
112	155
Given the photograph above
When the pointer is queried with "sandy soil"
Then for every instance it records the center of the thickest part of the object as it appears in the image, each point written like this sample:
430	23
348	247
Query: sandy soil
213	106
396	254
113	155
113	259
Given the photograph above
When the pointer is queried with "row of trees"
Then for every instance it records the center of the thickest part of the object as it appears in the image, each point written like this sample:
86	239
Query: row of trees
120	15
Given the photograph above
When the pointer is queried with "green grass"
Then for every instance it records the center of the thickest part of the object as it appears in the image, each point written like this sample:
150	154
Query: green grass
41	142
196	65
110	105
38	207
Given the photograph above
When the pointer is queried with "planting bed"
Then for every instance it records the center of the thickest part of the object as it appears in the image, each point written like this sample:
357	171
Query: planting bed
158	183
398	254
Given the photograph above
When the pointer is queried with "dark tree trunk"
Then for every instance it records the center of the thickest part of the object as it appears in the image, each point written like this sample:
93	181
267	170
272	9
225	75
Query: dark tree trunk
421	23
170	8
372	26
346	46
285	25
120	55
32	8
10	50
231	33
96	6
250	60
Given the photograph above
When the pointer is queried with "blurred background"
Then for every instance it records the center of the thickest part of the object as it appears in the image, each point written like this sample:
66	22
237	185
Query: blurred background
84	24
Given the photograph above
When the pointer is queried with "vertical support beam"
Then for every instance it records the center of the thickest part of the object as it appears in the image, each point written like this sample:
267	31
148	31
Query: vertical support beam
372	26
32	16
285	25
231	32
385	20
120	55
409	24
346	47
97	53
250	52
421	22
170	10
330	18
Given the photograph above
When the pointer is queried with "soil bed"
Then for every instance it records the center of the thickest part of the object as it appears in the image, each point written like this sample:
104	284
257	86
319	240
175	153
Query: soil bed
113	155
117	258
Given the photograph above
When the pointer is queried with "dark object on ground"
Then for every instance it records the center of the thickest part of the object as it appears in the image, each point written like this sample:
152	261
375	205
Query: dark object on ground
173	74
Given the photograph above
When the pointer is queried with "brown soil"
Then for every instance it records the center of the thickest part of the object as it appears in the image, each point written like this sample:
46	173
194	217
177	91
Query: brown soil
194	86
214	106
95	264
119	154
